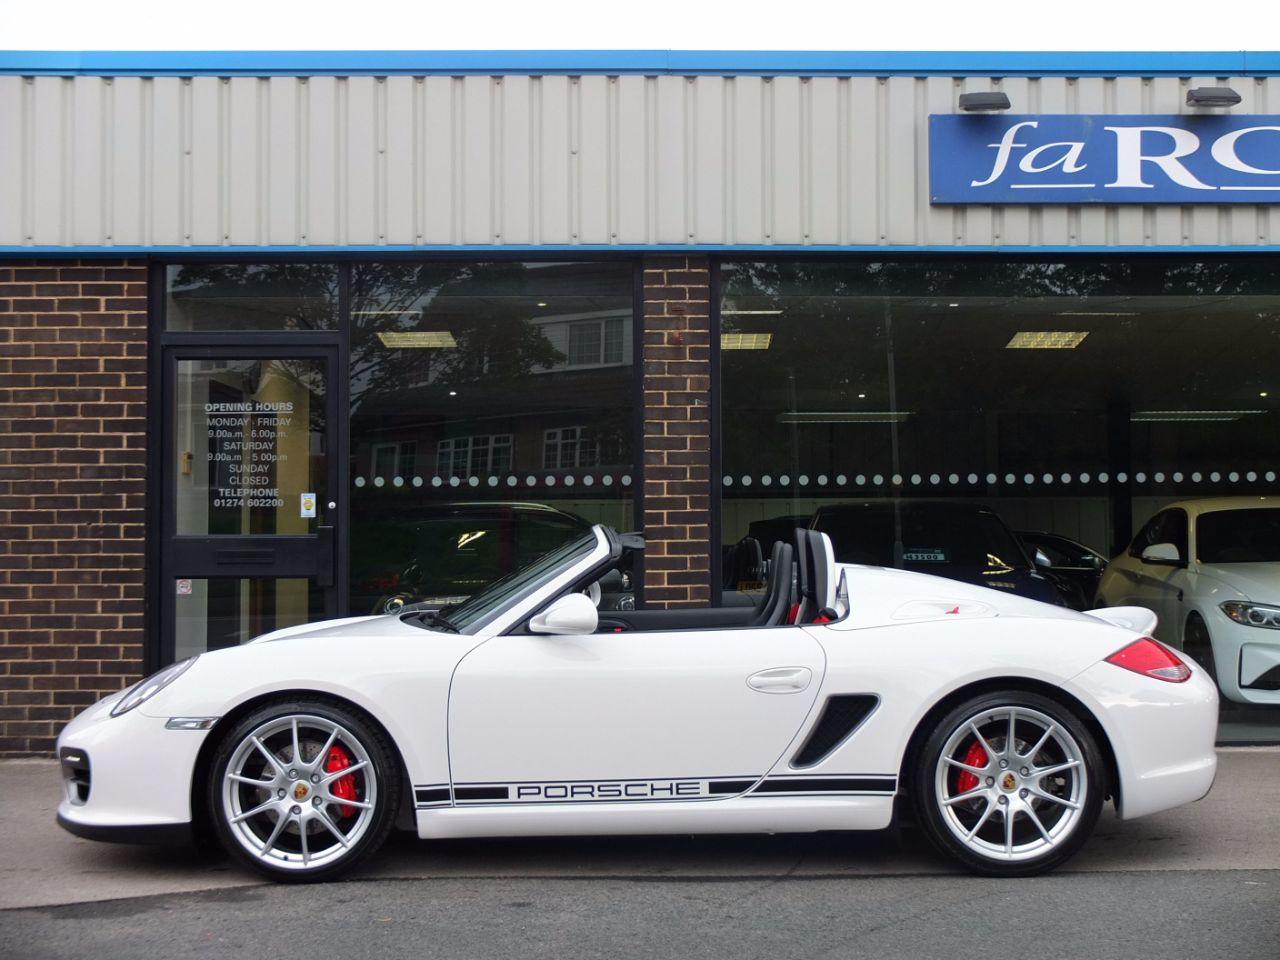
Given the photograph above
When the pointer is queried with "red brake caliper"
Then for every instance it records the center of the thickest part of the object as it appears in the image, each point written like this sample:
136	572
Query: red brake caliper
976	757
344	788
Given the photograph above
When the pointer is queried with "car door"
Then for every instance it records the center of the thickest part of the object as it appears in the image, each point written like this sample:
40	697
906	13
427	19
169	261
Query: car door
1157	586
611	716
1167	583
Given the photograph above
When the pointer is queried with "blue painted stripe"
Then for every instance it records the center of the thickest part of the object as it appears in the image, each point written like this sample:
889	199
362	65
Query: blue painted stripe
810	63
570	251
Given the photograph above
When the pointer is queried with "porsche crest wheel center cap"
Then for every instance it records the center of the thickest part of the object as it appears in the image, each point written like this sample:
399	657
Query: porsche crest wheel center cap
1008	782
300	790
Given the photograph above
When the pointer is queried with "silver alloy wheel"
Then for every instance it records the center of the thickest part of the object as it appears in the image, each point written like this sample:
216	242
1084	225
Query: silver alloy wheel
277	797
1026	799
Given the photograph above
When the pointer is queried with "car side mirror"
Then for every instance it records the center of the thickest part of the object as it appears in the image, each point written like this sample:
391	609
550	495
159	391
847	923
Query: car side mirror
572	615
1042	560
1163	553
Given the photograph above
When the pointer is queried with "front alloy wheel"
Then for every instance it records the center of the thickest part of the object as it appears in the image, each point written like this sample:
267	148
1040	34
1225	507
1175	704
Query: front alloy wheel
1011	784
302	791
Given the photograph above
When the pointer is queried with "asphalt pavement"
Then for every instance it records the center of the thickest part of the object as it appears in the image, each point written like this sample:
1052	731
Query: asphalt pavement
1200	881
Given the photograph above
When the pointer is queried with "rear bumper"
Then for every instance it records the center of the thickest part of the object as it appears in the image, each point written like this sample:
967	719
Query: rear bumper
1162	734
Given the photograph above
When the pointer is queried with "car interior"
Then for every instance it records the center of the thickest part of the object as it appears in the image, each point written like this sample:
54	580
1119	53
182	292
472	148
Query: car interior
801	588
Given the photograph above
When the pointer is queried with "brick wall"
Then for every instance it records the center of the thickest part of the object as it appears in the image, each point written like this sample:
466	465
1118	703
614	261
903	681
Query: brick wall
677	431
73	342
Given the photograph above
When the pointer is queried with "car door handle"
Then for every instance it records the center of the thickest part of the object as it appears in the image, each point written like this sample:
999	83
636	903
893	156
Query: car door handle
781	680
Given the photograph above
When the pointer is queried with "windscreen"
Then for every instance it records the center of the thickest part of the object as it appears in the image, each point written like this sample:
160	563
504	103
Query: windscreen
479	609
1239	536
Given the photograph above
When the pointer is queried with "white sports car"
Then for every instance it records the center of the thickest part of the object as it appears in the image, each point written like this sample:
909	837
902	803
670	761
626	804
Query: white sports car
525	710
1210	571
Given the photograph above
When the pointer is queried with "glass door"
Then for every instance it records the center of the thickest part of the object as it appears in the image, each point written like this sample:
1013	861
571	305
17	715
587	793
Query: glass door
250	493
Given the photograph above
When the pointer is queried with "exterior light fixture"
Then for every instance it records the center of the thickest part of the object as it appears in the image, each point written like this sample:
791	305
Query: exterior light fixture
1212	97
991	100
1046	340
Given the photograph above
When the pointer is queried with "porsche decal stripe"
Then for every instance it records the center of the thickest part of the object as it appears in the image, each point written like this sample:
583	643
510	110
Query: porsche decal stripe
730	786
482	793
827	785
654	790
431	794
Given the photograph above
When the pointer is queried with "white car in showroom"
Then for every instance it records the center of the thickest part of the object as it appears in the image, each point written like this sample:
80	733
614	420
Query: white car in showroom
1004	723
1210	571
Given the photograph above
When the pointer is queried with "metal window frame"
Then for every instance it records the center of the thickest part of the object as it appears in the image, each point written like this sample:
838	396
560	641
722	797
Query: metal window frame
159	339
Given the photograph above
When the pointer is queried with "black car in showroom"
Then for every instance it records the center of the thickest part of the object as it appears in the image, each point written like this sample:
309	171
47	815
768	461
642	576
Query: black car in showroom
451	550
1075	568
948	538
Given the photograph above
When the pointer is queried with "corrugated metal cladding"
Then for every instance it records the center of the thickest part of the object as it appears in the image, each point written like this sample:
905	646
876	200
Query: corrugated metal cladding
327	161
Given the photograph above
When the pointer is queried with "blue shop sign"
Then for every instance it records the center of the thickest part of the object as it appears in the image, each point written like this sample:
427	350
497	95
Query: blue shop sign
1104	158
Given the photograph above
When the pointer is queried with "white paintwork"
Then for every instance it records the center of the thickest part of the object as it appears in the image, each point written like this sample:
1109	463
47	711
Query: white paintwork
574	615
664	731
1173	593
626	705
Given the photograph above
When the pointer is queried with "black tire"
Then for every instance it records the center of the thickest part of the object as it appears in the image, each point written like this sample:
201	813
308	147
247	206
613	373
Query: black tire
1197	645
932	780
358	738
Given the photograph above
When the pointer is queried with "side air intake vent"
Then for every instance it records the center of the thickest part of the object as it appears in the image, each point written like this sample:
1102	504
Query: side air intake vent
840	717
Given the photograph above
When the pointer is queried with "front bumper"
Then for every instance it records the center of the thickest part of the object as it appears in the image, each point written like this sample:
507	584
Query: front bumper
1162	734
139	781
1245	655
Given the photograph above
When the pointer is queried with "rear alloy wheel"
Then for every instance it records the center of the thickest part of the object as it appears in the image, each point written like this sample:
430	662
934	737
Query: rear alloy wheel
1009	784
303	791
1197	645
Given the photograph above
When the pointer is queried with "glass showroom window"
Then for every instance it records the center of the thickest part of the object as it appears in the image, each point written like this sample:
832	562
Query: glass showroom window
484	363
923	411
204	297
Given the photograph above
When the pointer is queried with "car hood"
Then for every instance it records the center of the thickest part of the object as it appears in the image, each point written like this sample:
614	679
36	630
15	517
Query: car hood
1259	582
349	627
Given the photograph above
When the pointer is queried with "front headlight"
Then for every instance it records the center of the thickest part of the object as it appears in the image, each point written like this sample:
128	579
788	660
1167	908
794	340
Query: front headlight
144	690
1253	614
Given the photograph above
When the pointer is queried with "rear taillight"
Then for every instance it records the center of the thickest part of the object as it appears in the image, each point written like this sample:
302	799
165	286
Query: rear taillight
1151	659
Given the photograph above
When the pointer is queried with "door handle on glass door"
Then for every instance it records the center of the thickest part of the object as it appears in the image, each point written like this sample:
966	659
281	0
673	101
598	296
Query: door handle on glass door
781	680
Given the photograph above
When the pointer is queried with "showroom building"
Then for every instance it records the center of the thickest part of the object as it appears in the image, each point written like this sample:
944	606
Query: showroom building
297	335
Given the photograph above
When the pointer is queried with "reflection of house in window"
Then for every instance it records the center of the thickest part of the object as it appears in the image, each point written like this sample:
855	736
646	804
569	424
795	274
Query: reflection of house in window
474	455
394	459
566	447
595	342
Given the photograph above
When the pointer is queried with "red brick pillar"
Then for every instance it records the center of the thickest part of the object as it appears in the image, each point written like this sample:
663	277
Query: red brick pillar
73	369
677	431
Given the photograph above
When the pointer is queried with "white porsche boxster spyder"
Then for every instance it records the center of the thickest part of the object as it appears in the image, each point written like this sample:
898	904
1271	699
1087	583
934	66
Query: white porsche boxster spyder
1002	723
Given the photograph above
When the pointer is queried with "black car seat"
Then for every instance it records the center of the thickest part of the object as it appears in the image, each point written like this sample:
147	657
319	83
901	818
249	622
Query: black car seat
822	578
772	610
805	606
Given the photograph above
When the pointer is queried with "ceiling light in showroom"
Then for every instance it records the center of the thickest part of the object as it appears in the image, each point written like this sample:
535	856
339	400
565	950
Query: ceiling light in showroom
1189	416
1046	340
844	416
745	341
417	339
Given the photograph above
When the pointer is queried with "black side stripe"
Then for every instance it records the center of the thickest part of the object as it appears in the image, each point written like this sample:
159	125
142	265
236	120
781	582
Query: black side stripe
728	786
431	794
828	785
482	793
